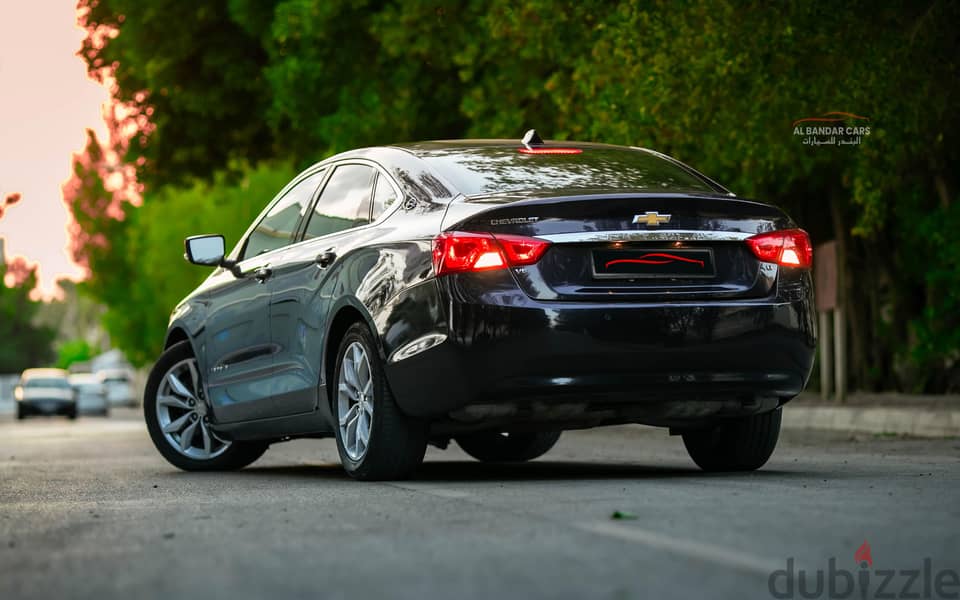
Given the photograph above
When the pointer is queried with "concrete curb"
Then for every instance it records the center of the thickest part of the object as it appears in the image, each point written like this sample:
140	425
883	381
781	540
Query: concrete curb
920	422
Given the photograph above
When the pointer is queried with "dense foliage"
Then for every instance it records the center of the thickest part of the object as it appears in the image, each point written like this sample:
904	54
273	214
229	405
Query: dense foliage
229	83
74	351
26	344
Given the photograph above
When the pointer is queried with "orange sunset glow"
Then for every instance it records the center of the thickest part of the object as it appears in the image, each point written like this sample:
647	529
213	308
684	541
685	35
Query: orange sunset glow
47	101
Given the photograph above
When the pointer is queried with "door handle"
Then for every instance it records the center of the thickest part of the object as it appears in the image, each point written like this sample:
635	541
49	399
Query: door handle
325	259
263	273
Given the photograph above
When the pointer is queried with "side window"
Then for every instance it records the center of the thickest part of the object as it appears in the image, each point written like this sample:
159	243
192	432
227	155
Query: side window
277	227
383	196
344	202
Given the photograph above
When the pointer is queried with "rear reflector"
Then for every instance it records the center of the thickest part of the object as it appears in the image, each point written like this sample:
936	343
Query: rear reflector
460	252
787	248
549	150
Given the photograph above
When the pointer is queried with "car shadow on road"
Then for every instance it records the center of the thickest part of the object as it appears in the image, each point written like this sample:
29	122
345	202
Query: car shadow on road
545	470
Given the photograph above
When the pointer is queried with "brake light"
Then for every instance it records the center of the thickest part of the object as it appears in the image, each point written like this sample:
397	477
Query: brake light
549	150
788	248
459	251
520	250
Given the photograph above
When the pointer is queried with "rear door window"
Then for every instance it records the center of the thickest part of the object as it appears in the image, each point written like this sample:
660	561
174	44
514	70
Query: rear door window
344	202
384	196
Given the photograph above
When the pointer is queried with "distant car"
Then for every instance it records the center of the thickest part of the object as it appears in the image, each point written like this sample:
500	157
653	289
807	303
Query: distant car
91	394
45	392
494	294
119	386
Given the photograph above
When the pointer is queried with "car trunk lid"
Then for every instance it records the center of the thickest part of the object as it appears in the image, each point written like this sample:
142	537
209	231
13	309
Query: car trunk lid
630	247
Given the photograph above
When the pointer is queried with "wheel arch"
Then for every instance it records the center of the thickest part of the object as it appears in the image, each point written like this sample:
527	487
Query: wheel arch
345	315
175	335
179	333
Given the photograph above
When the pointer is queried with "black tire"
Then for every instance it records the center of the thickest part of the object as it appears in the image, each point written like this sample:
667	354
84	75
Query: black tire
72	413
21	414
737	444
397	442
494	446
237	456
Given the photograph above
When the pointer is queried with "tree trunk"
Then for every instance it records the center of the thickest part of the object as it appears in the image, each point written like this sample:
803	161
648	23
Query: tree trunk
840	234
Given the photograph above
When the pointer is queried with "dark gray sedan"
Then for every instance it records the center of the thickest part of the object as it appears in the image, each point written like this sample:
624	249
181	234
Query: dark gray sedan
492	293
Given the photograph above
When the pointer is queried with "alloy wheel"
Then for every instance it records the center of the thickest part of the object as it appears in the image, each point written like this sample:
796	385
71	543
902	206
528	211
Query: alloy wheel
355	401
182	413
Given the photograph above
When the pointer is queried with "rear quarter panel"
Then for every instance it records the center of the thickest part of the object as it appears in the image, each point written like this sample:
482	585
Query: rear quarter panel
383	272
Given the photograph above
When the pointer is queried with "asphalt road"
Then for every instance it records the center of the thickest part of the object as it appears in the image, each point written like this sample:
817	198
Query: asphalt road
89	510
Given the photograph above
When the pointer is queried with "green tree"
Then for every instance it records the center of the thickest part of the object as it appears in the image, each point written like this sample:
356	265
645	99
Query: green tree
193	70
74	351
348	74
236	82
25	344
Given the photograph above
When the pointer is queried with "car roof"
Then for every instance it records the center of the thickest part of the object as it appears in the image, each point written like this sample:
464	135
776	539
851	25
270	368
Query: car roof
415	179
84	378
420	148
408	164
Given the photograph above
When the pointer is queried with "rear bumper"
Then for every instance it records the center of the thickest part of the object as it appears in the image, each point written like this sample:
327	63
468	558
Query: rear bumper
590	363
40	406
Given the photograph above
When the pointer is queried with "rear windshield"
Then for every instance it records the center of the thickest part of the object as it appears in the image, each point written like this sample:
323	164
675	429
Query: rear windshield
492	169
47	382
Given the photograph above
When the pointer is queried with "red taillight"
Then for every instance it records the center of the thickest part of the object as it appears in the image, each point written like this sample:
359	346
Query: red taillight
521	250
788	248
549	150
459	251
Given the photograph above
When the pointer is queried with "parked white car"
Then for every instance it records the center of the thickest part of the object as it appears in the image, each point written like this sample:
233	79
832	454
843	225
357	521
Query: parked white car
45	392
119	386
91	394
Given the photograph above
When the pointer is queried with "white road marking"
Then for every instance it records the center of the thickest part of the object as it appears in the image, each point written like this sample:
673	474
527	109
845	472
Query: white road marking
712	553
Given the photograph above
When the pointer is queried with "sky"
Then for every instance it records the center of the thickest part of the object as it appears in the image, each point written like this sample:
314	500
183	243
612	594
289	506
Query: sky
46	104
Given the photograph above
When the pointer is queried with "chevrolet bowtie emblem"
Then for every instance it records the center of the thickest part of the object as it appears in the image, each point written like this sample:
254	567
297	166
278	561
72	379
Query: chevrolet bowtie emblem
651	218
